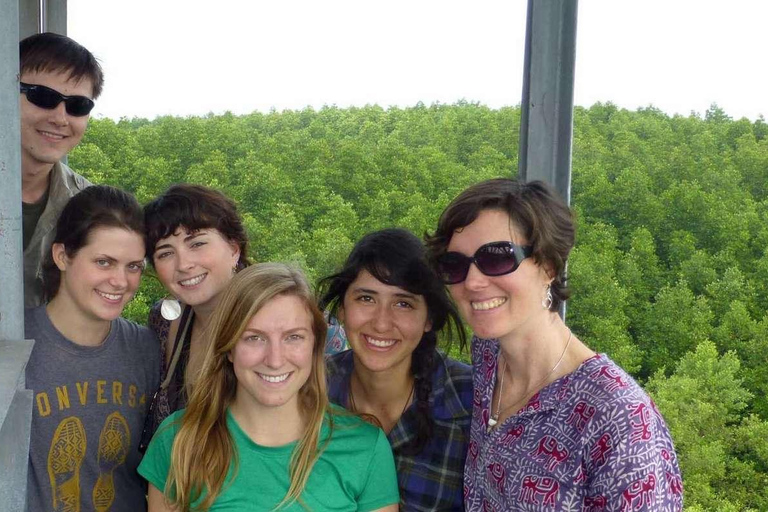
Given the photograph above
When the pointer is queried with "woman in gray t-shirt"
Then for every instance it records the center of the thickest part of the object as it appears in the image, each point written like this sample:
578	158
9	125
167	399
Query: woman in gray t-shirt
91	371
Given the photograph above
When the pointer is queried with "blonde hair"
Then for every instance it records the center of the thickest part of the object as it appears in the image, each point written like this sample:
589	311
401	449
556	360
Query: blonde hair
203	448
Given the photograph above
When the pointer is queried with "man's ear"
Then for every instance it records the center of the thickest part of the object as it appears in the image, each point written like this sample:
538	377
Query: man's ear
59	254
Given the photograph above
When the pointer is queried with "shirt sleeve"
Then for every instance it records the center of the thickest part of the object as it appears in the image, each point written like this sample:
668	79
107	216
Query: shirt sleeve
380	487
156	463
625	461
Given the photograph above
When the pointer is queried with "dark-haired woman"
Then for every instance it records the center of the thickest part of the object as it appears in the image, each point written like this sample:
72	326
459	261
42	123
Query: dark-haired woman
392	306
91	371
196	242
555	426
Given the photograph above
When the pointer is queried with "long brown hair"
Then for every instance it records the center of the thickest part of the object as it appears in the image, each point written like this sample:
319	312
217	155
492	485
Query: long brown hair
203	448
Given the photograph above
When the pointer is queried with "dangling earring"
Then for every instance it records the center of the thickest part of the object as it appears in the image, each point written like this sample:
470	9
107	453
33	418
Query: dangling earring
546	302
234	269
170	309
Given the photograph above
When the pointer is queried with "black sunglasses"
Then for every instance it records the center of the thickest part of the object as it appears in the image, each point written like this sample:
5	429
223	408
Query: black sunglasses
47	98
492	259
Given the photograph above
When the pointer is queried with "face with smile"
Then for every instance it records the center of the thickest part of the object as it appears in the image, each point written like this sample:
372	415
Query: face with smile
499	306
48	135
273	358
100	279
384	323
195	266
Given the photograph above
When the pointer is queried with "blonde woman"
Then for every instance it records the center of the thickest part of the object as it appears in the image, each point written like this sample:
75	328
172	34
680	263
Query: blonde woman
258	432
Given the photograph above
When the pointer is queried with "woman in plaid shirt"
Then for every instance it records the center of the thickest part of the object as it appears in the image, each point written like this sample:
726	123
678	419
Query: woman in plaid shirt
392	306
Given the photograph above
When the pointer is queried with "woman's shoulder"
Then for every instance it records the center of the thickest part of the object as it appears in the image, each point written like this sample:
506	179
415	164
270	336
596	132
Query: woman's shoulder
162	439
136	333
602	386
170	425
602	378
34	319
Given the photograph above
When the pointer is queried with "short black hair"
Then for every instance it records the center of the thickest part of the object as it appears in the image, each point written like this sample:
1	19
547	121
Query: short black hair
57	53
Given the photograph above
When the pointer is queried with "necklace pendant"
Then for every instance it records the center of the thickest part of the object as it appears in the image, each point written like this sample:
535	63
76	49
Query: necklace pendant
492	423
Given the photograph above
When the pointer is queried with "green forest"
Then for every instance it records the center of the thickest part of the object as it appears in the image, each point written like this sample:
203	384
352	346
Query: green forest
669	273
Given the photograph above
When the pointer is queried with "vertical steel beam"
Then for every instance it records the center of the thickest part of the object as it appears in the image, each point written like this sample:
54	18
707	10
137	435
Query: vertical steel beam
56	16
11	268
29	18
15	401
36	16
546	125
14	442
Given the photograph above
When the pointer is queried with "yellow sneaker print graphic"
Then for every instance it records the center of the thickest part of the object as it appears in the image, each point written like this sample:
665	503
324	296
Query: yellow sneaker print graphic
114	442
64	459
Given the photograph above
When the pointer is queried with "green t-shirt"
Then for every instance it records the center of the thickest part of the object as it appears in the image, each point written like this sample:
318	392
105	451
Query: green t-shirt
356	472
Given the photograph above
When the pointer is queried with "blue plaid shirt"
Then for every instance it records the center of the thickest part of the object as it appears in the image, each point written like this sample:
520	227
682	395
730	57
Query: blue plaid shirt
432	479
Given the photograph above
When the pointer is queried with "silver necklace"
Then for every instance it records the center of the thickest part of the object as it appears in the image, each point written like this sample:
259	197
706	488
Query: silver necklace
493	420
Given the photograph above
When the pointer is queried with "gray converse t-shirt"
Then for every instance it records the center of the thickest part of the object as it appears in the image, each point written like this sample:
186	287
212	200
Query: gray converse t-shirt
88	413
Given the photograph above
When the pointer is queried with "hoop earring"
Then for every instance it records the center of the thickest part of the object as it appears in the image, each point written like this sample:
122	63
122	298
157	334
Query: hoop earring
546	302
170	309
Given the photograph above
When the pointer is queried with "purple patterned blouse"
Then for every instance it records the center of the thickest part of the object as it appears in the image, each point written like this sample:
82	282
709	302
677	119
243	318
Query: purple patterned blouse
590	441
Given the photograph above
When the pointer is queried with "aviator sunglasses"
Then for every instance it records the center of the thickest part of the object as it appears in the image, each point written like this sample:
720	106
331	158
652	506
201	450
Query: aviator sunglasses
492	259
47	98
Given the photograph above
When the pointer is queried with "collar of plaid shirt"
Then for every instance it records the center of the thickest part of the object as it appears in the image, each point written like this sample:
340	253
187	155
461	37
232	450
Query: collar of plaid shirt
432	479
445	401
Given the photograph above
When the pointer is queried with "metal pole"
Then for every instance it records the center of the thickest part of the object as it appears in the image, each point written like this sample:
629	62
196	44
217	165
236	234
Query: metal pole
29	18
56	16
42	18
15	401
546	124
11	268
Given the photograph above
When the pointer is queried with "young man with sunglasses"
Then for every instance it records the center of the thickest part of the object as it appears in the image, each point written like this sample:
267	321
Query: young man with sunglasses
59	81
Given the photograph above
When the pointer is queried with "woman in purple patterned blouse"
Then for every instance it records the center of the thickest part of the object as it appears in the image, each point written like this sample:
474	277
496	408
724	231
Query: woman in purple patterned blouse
555	426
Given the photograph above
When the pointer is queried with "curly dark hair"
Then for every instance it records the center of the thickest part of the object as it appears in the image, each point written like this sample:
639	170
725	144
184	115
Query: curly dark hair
195	207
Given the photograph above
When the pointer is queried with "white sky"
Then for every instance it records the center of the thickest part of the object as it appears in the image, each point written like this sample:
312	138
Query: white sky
192	57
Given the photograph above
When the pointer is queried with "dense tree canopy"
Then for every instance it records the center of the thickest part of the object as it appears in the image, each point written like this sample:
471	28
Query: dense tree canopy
670	269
